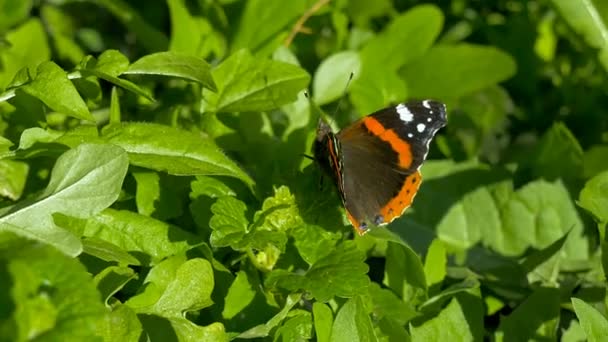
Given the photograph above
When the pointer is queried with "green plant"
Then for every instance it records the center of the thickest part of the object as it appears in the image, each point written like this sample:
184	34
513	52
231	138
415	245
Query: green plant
153	184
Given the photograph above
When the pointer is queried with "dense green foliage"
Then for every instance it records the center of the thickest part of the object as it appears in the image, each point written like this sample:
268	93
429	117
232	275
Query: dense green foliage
153	184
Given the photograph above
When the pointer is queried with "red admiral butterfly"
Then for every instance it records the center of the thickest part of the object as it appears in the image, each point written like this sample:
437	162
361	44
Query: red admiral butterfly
375	161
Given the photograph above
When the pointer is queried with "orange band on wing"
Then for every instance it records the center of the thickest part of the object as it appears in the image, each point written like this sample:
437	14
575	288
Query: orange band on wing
397	205
399	145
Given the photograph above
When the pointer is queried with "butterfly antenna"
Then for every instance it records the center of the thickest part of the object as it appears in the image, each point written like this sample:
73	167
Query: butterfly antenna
350	78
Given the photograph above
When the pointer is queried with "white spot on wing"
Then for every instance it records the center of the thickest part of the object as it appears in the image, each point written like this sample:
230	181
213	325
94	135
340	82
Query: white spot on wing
420	127
429	119
404	114
410	135
426	104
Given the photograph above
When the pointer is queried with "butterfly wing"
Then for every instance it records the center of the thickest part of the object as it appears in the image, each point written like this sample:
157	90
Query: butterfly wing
381	155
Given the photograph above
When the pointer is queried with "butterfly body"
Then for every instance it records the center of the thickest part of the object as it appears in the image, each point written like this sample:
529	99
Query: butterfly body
375	161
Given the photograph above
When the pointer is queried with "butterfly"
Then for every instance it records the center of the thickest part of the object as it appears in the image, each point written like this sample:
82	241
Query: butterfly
375	162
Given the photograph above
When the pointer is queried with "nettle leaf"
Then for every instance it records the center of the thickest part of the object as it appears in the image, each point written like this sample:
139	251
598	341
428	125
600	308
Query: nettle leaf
452	324
53	296
352	323
151	240
122	324
404	273
172	150
528	322
452	71
228	222
331	77
313	242
341	273
594	197
175	286
174	64
246	83
109	66
278	213
84	181
297	327
593	322
51	85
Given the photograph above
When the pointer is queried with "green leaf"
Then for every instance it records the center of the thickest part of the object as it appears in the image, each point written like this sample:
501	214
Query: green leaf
174	64
341	273
111	280
404	273
595	160
63	33
331	77
84	181
107	251
370	92
110	65
323	319
593	322
298	327
246	83
13	175
53	295
588	19
452	71
558	154
150	239
263	330
450	325
240	294
13	13
159	195
313	242
122	325
172	150
190	289
279	212
52	86
417	29
435	264
181	329
262	21
229	222
527	321
352	323
28	47
594	197
387	304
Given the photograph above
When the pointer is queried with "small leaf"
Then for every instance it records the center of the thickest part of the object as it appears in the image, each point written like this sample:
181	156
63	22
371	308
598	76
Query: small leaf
352	323
331	77
450	325
176	65
240	294
122	325
13	175
593	322
323	319
229	223
248	84
594	197
107	251
313	242
341	273
172	150
84	181
404	273
435	264
52	86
